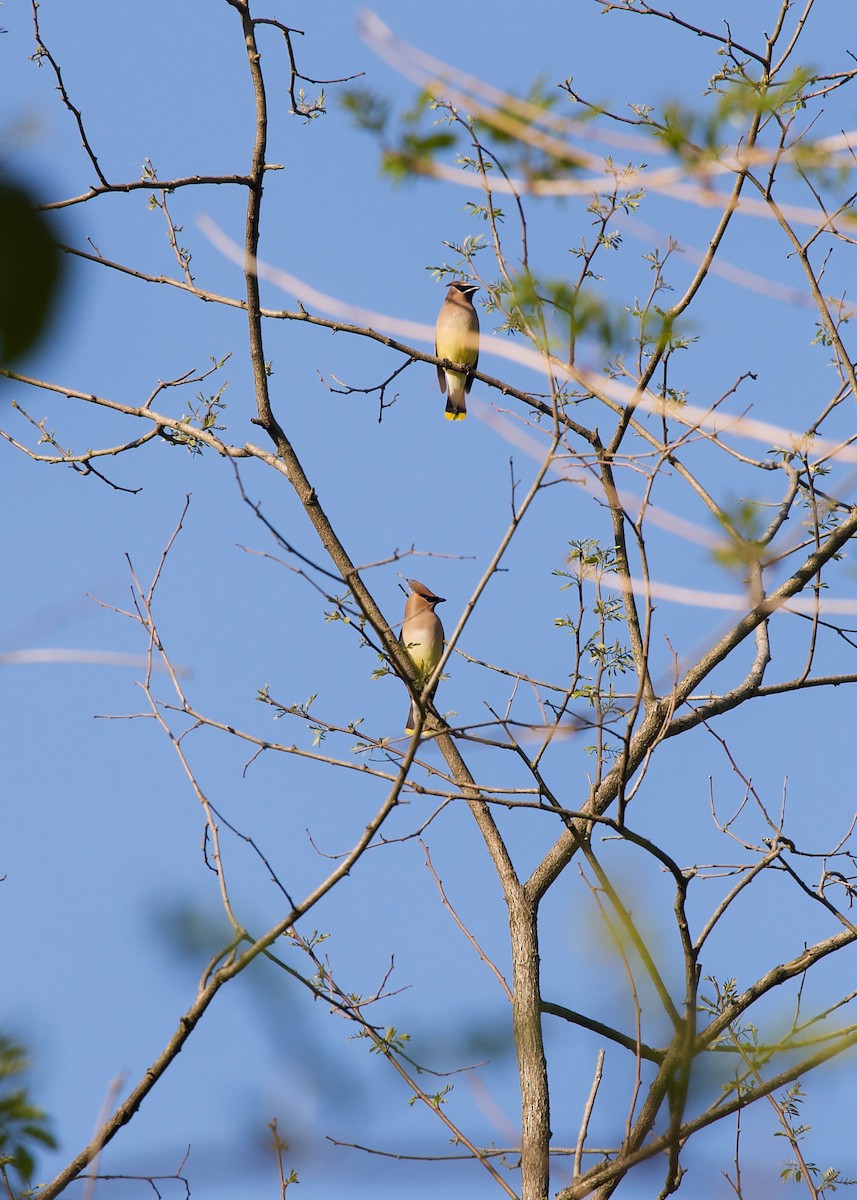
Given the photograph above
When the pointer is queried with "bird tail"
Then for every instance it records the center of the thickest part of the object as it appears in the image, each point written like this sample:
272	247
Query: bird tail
456	409
413	717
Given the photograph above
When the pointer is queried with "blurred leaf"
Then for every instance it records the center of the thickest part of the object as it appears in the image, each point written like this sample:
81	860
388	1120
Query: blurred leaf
414	152
21	1123
30	271
370	111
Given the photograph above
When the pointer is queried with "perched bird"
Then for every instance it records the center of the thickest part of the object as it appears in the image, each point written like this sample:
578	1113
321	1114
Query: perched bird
457	339
421	639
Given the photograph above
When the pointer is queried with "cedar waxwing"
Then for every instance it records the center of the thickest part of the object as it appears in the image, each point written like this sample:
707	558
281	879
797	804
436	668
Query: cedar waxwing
457	339
421	638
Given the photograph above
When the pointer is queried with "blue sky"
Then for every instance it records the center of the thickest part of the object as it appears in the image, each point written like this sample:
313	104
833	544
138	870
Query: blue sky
109	909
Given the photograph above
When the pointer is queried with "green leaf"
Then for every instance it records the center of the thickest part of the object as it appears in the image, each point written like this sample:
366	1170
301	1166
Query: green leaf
20	1121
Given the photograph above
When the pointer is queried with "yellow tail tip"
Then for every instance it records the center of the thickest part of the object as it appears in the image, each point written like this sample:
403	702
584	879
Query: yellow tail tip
454	416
